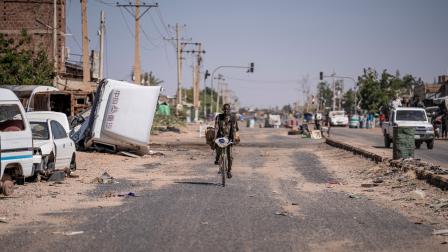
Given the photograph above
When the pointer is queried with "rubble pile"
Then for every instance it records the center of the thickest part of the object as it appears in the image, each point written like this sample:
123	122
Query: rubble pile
433	174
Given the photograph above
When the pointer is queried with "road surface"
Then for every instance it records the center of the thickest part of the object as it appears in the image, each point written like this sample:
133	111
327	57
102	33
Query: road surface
276	201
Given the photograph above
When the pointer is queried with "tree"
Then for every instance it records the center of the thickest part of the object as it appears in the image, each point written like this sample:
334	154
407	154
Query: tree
19	65
376	91
324	94
348	100
149	79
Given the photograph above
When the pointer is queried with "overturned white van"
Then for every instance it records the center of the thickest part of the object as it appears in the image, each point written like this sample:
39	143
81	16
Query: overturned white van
120	118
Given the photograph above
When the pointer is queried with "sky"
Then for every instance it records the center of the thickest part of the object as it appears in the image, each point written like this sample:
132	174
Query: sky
290	41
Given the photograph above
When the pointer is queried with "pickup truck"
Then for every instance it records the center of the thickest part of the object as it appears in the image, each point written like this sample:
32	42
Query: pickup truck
409	117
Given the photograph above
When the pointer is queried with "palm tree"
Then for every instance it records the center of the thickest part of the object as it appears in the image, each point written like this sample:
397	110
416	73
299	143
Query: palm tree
149	79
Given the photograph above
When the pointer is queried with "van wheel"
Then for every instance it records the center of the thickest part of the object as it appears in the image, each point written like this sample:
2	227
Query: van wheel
73	163
7	187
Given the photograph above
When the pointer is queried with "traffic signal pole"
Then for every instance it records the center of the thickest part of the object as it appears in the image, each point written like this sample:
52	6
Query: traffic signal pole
250	69
322	76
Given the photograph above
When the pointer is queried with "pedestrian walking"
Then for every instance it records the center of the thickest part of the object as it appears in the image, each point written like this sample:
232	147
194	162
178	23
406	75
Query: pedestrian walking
444	124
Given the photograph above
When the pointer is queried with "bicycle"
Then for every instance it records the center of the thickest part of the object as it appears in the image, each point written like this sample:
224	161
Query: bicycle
223	143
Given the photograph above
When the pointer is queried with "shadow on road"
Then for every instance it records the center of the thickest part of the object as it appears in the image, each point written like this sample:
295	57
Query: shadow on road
198	183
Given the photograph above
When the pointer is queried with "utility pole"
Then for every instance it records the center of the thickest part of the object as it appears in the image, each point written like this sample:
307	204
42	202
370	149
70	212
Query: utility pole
55	39
101	32
85	44
196	76
137	58
333	105
136	14
179	66
179	45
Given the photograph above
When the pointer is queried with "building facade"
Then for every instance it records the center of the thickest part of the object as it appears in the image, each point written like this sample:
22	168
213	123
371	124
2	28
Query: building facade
37	18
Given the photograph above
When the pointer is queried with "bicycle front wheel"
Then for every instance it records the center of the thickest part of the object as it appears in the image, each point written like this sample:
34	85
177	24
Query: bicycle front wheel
223	169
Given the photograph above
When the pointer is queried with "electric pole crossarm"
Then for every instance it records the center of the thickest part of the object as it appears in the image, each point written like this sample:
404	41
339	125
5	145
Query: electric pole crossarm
147	6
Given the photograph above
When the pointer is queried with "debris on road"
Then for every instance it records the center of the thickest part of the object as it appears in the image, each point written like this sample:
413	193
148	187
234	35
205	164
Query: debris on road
128	154
420	193
354	196
3	220
443	232
57	176
439	204
155	153
251	195
282	213
368	185
378	180
104	179
129	194
69	233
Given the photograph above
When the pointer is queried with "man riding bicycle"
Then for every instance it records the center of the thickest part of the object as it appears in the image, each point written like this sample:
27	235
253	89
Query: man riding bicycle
226	126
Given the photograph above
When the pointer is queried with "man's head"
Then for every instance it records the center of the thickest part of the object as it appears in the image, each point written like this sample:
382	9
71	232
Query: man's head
226	109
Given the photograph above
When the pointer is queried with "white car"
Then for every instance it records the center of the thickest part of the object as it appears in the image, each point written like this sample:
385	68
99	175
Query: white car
51	140
338	118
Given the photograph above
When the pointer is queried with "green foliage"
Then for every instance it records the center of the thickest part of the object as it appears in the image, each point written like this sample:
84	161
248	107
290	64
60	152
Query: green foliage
149	79
210	97
19	65
377	90
324	94
348	101
162	122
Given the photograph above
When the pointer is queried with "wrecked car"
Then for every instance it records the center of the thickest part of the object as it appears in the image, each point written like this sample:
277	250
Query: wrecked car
120	118
52	142
16	145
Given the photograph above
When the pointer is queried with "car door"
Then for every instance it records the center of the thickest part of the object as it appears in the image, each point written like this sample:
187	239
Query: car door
62	145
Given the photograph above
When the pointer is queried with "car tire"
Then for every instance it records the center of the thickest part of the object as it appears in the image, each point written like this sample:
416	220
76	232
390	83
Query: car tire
73	163
386	141
418	144
430	144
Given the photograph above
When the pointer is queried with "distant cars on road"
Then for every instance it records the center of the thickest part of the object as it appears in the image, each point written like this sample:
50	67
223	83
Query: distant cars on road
338	118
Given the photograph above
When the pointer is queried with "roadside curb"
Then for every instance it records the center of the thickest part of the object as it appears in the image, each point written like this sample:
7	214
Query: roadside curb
355	150
422	169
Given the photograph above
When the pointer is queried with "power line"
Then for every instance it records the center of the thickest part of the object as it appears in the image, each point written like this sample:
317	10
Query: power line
159	14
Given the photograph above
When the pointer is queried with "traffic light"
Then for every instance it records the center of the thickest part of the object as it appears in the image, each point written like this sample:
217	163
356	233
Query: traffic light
206	75
321	75
251	68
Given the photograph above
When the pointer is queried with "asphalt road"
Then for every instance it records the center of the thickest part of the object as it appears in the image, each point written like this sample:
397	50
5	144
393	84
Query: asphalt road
200	215
374	138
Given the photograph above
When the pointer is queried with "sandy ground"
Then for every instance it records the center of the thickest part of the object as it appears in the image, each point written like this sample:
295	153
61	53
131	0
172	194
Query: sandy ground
31	203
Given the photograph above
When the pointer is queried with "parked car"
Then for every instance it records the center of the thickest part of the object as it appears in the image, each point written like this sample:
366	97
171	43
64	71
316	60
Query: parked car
409	117
338	118
51	141
16	155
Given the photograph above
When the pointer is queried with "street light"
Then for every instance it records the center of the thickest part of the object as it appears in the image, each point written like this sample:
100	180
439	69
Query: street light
249	68
322	76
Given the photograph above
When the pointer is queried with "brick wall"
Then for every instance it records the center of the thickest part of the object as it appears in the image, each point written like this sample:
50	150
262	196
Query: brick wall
36	16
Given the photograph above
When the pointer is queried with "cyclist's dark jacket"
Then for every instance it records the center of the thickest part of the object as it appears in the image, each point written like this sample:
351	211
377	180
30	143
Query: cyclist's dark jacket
226	128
